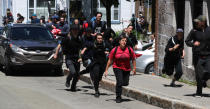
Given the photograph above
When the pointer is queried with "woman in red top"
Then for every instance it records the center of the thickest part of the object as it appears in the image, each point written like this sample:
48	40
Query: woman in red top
121	56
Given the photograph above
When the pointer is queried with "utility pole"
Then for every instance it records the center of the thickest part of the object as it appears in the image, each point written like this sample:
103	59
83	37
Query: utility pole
156	37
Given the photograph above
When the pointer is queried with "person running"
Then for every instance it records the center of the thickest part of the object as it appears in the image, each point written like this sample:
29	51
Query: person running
71	46
63	26
120	56
100	53
199	39
87	51
131	39
174	53
98	26
108	36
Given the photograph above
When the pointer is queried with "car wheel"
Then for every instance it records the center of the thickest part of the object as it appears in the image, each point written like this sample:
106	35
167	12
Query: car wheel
150	69
59	71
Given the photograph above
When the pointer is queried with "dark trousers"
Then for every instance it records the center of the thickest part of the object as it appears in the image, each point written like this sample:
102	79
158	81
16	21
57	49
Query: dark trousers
122	79
96	73
195	60
202	72
170	66
74	68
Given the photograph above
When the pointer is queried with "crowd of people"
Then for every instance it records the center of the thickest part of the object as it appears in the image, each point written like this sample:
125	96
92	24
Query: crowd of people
98	47
93	44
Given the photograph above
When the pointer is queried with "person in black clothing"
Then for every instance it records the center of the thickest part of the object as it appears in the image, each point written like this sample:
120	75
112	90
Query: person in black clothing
100	53
87	52
109	34
199	39
71	46
131	39
98	26
174	53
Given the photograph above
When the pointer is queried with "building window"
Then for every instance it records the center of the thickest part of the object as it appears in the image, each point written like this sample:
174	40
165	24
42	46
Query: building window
40	7
115	11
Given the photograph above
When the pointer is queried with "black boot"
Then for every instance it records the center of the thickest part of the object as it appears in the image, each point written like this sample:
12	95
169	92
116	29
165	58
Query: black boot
118	99
73	88
67	83
173	83
97	94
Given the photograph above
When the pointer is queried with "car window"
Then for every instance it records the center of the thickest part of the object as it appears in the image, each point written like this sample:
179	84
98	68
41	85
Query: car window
30	33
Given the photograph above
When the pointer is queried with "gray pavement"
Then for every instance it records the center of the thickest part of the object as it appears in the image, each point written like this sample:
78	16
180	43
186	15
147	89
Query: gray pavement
151	85
40	91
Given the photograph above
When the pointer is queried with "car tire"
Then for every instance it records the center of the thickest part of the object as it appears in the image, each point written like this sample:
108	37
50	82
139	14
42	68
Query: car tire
59	71
149	69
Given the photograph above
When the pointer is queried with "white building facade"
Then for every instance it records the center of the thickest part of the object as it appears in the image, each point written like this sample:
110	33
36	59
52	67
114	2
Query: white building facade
120	15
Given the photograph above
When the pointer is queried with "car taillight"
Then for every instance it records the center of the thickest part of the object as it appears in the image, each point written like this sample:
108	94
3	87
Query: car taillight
138	55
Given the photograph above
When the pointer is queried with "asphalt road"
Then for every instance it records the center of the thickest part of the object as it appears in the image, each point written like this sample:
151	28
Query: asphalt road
44	91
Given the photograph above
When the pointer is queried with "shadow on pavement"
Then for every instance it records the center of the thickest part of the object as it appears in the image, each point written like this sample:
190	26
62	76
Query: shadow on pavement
87	87
123	100
175	86
102	94
193	95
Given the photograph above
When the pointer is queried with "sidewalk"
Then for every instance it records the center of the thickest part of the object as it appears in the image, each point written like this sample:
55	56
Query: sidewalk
155	90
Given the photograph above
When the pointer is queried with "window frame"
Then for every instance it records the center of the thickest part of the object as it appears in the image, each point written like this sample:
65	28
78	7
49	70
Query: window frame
34	8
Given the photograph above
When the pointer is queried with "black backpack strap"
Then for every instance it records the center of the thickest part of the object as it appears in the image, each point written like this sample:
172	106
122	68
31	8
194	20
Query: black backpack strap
115	51
129	48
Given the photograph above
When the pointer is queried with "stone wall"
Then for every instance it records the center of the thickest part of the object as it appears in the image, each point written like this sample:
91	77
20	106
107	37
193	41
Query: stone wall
166	29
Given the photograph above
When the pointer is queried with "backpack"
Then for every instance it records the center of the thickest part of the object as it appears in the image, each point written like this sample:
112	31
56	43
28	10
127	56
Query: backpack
115	51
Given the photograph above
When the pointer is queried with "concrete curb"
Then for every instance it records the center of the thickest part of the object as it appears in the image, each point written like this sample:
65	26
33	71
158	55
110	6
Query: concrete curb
147	97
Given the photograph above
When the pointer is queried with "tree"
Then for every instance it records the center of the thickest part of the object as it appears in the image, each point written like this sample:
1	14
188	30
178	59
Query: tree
108	4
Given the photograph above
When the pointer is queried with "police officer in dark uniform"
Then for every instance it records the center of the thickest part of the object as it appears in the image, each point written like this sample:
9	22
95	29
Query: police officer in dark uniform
71	46
199	39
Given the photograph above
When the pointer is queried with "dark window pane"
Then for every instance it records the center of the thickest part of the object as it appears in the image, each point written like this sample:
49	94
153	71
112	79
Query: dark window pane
44	3
41	3
31	3
116	15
